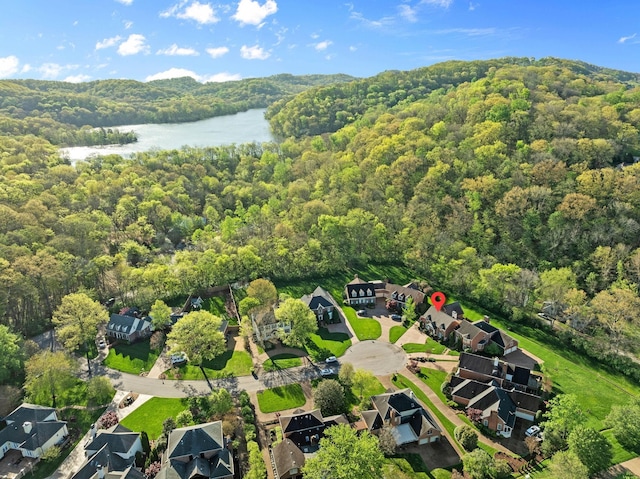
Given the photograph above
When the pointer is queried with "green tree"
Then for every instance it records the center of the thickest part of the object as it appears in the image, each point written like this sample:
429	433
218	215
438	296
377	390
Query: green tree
329	397
184	418
264	291
564	415
10	354
160	315
409	310
466	436
198	335
257	467
362	380
345	375
99	390
220	402
345	454
591	447
77	321
624	419
303	322
387	441
478	464
565	464
48	375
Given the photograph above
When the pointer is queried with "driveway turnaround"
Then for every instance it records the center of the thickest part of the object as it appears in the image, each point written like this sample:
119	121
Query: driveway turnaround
379	357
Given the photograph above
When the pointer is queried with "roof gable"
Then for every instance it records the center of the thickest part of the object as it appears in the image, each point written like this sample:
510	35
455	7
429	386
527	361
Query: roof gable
192	440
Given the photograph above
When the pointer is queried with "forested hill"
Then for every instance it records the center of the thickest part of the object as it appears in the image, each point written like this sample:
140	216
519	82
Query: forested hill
515	187
325	109
52	109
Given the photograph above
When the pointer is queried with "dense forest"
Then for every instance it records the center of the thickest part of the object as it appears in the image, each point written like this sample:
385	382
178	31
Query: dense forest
512	182
81	113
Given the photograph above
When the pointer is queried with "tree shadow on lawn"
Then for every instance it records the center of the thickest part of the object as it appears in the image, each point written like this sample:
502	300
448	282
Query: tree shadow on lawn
140	350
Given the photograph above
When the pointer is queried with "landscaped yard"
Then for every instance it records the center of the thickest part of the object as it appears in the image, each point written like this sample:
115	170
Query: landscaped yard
324	341
434	379
230	363
216	305
131	358
150	416
374	389
396	333
282	361
365	328
281	398
431	346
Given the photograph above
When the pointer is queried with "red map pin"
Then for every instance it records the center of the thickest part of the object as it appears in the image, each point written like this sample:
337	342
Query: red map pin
438	299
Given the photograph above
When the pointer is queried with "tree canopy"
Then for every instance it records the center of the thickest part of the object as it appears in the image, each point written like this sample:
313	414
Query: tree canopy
302	320
198	335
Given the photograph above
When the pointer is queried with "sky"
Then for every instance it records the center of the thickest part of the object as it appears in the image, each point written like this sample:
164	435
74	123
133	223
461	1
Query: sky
144	40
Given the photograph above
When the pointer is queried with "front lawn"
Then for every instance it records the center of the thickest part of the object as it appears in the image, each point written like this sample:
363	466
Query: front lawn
431	346
230	363
434	379
150	416
406	466
282	361
396	333
365	328
281	398
374	389
131	358
325	343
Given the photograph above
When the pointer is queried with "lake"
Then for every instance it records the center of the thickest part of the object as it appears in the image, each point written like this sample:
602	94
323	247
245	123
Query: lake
245	127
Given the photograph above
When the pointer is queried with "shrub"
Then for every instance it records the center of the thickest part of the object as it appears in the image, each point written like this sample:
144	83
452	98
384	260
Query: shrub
156	343
51	454
249	432
184	418
153	469
108	419
244	398
466	436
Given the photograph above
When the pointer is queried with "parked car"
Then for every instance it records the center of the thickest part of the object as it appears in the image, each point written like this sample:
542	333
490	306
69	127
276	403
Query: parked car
331	359
102	344
362	312
396	317
532	431
178	359
326	372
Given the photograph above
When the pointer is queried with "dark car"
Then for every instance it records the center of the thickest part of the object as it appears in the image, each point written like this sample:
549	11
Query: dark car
396	317
362	312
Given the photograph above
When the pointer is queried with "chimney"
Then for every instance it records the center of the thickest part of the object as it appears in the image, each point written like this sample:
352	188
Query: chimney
454	314
93	431
100	470
486	319
27	426
496	361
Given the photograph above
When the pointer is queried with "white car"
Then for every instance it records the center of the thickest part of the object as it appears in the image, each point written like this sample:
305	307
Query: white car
326	372
532	431
178	359
102	344
331	359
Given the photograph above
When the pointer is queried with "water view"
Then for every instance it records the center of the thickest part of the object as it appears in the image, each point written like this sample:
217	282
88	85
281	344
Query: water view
246	127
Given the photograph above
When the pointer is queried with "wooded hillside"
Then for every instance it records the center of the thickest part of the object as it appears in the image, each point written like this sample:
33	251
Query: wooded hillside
501	181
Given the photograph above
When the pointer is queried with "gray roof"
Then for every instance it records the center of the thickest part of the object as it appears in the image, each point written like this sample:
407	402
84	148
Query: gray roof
29	412
192	440
498	336
439	319
127	324
496	399
41	431
287	456
119	442
402	401
219	465
115	466
468	330
319	297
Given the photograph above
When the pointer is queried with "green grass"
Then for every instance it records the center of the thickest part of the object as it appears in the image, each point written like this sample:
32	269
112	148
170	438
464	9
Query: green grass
281	398
150	416
434	379
282	361
215	305
131	358
365	328
230	363
430	346
324	344
407	468
620	454
396	333
596	388
374	389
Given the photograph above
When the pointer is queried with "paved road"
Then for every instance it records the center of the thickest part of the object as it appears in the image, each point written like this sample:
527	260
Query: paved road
379	357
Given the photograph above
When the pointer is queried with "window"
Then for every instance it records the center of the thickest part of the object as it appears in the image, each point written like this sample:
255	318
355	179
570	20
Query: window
485	422
499	427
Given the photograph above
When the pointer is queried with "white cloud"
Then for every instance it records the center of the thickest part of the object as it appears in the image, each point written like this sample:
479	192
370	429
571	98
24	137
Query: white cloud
408	13
51	71
625	39
321	46
175	50
438	3
353	48
77	78
127	24
201	13
182	72
125	2
108	42
8	66
250	12
222	77
254	53
133	45
217	52
383	22
472	32
25	68
473	6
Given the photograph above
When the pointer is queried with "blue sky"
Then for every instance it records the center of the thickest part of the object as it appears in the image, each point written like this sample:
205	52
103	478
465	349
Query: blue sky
84	40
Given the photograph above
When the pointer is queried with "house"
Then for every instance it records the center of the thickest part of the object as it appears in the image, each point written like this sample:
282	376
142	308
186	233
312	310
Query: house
471	337
506	343
409	421
32	430
266	326
305	429
197	452
506	375
111	452
439	324
322	304
128	328
497	408
288	460
359	292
